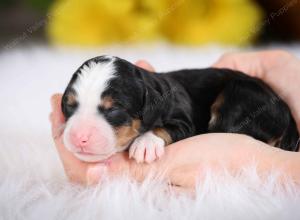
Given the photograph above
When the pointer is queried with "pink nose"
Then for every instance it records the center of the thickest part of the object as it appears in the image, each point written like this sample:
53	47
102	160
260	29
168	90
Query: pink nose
80	139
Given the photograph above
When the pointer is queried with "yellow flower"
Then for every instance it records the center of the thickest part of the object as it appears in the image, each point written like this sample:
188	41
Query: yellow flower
96	22
221	21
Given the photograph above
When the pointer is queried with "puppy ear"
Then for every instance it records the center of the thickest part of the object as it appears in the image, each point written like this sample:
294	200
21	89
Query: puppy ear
152	109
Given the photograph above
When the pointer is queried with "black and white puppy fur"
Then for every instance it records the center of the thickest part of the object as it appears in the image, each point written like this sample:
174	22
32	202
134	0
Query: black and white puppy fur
111	105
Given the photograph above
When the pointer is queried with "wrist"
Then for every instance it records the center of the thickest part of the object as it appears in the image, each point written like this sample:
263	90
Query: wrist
294	166
286	163
160	168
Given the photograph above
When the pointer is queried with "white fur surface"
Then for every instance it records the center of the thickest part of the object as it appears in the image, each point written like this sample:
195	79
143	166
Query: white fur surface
32	181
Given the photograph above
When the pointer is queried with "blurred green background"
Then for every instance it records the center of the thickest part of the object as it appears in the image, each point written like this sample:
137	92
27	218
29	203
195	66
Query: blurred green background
180	22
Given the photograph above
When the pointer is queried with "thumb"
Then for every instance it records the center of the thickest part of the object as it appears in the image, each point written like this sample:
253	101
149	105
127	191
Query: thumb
56	116
145	65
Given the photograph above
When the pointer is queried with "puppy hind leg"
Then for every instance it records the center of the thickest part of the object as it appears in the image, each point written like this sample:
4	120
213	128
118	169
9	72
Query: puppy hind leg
249	107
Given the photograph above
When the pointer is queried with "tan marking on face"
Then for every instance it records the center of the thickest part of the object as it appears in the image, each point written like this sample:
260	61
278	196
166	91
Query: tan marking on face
214	110
275	142
126	134
107	102
71	98
162	133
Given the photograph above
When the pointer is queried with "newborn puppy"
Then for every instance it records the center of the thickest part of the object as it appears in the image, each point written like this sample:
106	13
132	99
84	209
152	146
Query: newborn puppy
111	105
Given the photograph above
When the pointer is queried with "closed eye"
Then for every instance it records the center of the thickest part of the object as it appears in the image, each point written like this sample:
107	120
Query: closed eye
71	106
69	109
115	116
115	112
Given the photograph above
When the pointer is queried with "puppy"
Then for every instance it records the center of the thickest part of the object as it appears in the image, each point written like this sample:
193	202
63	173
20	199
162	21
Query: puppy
111	105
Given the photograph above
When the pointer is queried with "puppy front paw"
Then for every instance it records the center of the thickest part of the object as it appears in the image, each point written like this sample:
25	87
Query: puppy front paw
147	148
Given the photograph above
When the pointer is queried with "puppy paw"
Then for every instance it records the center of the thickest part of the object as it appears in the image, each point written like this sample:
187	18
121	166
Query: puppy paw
147	148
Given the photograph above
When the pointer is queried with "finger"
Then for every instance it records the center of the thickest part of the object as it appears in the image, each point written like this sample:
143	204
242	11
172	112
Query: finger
95	173
55	102
113	166
56	116
248	63
225	61
145	65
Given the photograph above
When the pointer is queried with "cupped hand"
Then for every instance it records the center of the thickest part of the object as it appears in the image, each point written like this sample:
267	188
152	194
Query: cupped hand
183	161
279	69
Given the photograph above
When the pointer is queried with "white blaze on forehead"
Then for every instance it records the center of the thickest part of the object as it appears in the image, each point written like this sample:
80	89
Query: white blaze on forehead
91	83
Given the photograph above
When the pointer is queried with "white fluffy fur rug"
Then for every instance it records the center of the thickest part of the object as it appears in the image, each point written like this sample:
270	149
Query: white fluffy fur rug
32	182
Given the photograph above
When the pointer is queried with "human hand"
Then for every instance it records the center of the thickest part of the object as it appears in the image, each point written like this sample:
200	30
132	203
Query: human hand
279	69
183	161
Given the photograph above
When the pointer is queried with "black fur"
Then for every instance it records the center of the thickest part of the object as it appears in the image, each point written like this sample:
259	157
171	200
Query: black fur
67	109
180	102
